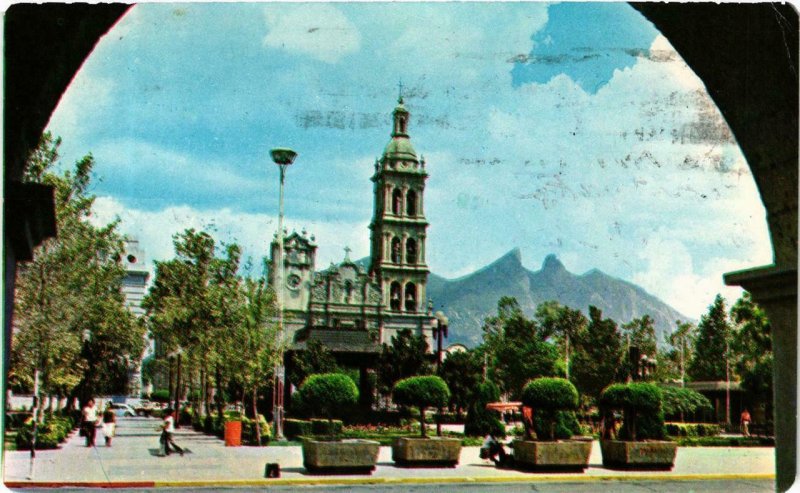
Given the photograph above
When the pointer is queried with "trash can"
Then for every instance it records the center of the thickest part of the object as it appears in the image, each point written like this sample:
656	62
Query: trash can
233	433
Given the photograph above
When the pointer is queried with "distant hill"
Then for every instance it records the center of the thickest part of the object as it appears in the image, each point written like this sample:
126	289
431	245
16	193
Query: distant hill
468	300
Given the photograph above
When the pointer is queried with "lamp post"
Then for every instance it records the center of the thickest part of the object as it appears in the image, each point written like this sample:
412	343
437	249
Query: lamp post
283	157
439	332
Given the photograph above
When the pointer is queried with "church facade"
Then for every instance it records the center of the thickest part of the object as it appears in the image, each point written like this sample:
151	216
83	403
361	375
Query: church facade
353	308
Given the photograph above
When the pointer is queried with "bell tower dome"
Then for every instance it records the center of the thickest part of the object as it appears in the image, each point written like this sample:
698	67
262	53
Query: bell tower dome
398	226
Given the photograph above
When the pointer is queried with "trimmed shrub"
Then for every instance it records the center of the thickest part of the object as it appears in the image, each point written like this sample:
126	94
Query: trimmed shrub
49	434
160	395
679	401
550	398
641	404
692	429
422	392
323	427
294	428
249	431
329	395
480	421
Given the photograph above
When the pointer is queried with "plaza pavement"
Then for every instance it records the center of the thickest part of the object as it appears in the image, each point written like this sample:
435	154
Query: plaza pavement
132	461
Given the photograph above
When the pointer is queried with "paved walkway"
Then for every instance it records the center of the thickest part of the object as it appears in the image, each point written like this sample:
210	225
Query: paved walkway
133	460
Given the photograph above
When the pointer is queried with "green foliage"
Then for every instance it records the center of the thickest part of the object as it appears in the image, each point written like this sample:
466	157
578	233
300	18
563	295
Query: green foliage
49	434
563	323
294	428
692	429
160	395
480	421
422	392
71	322
752	350
462	372
642	334
677	401
325	427
516	348
316	358
329	394
550	394
641	404
549	397
561	426
727	441
405	357
711	344
598	354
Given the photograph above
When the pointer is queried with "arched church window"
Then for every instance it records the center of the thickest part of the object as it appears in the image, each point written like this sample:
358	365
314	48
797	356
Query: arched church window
395	294
348	291
411	297
402	125
411	251
397	202
396	250
411	203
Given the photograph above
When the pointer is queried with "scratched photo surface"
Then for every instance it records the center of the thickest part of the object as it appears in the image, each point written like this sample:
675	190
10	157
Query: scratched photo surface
569	149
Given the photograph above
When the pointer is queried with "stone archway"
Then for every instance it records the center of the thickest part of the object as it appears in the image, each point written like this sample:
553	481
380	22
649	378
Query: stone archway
746	54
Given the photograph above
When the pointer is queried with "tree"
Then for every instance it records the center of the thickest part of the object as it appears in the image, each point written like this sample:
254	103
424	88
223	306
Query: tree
682	350
641	333
422	392
598	354
751	346
711	351
462	371
329	395
561	322
316	358
516	350
481	421
71	324
406	356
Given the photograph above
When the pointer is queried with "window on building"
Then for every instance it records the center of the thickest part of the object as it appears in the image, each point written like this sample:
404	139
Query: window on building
411	251
396	250
411	297
411	203
348	292
395	295
397	202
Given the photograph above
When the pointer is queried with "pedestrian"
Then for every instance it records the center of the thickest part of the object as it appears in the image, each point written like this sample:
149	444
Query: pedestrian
493	450
89	422
109	424
745	422
167	429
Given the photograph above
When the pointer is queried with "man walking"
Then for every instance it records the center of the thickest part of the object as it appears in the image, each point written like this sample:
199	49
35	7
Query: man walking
89	422
167	429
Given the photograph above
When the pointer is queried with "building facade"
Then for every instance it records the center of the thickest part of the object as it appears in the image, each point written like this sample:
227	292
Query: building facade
134	287
352	308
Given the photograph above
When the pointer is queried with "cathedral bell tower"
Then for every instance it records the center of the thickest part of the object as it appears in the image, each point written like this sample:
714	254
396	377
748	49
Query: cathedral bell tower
397	230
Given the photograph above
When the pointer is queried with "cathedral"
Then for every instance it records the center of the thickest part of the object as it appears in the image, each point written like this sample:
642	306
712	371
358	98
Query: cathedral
351	308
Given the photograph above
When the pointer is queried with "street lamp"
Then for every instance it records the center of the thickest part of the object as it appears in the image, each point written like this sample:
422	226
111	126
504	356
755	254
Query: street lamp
439	332
283	157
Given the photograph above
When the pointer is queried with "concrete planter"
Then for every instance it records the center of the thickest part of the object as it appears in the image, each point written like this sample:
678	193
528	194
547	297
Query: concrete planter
426	452
655	454
572	455
344	456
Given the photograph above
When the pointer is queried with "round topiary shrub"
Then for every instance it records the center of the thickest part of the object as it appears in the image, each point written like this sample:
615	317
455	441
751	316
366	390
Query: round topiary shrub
643	417
422	392
329	395
481	421
549	397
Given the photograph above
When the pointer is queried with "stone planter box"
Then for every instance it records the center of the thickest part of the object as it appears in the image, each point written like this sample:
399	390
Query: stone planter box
343	456
426	452
655	454
572	455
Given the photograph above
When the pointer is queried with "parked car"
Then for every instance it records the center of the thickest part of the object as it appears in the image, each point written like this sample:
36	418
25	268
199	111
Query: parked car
122	409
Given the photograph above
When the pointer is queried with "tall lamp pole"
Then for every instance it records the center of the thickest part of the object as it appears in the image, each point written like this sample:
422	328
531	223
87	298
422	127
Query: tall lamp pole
283	157
440	332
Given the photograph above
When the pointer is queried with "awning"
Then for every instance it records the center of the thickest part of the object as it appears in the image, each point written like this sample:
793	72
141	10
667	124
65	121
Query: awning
504	406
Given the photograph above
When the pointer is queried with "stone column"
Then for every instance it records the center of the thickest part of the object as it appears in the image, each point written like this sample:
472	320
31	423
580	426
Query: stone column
774	288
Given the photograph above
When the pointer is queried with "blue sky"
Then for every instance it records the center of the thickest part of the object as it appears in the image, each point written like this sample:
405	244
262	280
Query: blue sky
572	129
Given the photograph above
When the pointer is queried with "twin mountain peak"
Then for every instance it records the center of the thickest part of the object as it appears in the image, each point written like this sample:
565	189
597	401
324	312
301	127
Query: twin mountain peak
468	300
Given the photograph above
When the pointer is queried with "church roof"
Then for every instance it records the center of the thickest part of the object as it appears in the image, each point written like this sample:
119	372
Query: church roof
341	341
400	148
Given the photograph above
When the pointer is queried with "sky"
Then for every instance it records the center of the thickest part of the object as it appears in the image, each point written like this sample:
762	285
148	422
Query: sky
572	129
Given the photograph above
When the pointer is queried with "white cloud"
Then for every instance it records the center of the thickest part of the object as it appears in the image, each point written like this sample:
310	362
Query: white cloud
320	31
253	232
86	96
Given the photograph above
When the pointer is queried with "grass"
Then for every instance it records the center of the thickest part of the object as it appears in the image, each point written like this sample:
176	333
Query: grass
725	442
9	441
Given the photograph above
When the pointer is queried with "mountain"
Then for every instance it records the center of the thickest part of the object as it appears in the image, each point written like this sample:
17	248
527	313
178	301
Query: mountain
468	300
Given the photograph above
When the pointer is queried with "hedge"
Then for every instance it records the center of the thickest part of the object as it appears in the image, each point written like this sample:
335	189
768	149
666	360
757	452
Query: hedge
295	428
325	427
692	429
49	434
641	404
